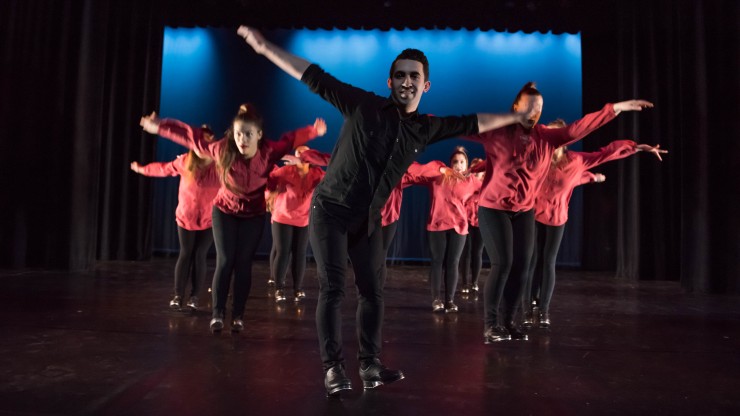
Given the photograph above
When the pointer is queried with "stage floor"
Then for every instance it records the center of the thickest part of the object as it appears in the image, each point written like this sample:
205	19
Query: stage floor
105	342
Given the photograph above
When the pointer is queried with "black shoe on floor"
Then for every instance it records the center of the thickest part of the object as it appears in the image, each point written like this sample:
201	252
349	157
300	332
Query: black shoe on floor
516	333
544	319
528	319
335	380
176	303
495	334
374	374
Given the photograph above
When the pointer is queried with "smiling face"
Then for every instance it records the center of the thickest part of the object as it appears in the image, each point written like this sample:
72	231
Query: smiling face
534	104
459	162
247	136
407	84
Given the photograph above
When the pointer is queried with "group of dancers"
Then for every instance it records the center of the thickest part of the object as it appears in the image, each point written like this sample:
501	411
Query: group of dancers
350	210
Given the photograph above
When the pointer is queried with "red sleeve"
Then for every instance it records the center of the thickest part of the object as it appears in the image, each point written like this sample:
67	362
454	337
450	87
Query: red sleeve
418	174
618	149
296	138
315	157
162	169
188	136
479	167
579	128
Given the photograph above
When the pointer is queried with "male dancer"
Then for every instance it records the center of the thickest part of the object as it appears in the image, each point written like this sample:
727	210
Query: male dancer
380	138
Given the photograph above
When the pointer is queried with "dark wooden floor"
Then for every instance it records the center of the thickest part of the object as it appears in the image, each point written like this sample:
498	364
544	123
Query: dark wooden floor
104	342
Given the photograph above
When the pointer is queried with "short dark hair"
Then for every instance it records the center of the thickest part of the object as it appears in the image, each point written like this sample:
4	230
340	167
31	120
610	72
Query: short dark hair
413	55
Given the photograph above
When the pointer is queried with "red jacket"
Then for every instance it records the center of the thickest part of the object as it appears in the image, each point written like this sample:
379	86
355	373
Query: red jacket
551	204
448	206
517	160
416	173
249	175
293	200
195	194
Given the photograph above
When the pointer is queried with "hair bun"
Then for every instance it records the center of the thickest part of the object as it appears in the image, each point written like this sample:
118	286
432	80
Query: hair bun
243	109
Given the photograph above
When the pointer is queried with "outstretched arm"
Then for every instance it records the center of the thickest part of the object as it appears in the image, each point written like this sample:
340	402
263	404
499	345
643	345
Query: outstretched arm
631	105
654	150
293	65
487	121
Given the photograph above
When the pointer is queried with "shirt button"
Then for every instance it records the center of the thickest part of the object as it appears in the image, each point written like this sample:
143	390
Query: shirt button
390	157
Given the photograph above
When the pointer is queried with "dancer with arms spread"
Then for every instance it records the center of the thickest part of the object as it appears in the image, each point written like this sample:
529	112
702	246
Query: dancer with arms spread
244	160
380	138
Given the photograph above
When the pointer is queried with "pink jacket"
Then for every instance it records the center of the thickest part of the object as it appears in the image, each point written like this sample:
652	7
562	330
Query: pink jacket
551	204
195	194
517	160
248	175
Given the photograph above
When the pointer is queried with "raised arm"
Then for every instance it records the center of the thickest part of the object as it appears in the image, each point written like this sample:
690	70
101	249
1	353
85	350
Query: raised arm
293	65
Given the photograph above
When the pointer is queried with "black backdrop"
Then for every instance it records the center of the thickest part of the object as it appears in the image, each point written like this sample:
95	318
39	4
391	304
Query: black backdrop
77	74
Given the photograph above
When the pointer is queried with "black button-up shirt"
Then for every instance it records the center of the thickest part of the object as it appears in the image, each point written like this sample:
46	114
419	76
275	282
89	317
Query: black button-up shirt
375	146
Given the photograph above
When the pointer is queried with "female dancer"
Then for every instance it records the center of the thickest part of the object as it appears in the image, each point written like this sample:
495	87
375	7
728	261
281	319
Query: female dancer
244	163
472	255
447	226
517	160
291	187
567	170
198	186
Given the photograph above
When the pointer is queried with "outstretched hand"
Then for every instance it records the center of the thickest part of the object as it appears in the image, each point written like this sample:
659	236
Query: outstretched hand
599	177
150	123
291	160
320	126
654	150
136	167
253	38
632	105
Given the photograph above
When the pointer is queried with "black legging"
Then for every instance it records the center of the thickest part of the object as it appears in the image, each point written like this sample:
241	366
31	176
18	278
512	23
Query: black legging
542	286
445	248
290	242
191	262
236	241
472	255
509	240
389	231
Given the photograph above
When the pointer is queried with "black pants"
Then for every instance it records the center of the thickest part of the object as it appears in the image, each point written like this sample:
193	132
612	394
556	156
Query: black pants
191	262
290	244
332	240
542	284
389	231
445	248
471	260
509	240
236	242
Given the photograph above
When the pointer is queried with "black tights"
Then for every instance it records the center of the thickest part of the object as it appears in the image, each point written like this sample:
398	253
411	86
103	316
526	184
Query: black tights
445	247
191	262
538	285
509	240
236	241
290	244
472	256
